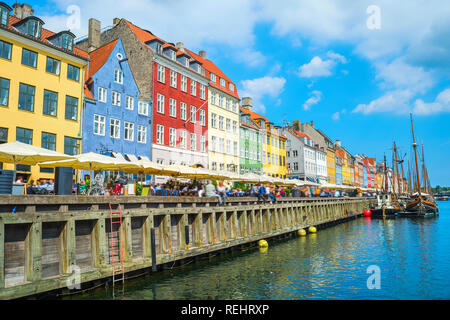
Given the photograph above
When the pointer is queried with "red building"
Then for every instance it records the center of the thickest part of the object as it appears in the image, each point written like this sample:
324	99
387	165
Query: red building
371	172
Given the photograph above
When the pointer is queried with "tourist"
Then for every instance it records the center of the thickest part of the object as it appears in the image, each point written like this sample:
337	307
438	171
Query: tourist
221	190
337	194
210	191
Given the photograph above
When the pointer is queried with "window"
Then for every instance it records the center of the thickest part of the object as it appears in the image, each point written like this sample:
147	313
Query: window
183	110
160	103
33	28
3	135
213	97
183	83
295	166
202	91
48	141
246	153
24	135
29	58
213	120
227	104
71	108
115	98
228	125
183	139
114	128
142	134
4	92
159	134
193	87
129	103
193	114
231	87
213	77
73	72
50	103
220	100
220	122
202	117
234	103
26	97
5	50
4	16
173	78
67	42
70	146
129	131
214	166
235	127
172	137
222	82
228	147
161	71
173	55
235	148
102	94
213	143
99	124
53	66
221	145
193	141
173	107
202	143
143	108
118	76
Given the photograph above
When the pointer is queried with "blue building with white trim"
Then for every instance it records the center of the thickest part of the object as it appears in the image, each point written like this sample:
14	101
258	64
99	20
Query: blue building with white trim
115	121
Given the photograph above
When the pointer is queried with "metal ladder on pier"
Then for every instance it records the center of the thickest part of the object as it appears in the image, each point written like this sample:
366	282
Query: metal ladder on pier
116	249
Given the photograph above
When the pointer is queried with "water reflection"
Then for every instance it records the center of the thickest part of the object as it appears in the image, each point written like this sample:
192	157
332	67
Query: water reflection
412	254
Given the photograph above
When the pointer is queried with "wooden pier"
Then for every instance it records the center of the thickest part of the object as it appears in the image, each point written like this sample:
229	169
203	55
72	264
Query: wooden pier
47	241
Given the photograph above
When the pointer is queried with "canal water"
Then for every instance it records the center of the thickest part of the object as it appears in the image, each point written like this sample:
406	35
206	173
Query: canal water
406	259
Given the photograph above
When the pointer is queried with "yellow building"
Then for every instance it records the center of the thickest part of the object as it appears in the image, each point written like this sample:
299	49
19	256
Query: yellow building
273	146
41	86
331	166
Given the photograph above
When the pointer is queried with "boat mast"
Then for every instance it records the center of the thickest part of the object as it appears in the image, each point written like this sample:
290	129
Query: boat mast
410	186
415	156
386	189
396	170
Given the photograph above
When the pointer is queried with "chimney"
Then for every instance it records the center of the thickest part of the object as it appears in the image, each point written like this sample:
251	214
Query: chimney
338	143
94	34
296	125
247	103
22	11
116	21
180	46
202	54
312	124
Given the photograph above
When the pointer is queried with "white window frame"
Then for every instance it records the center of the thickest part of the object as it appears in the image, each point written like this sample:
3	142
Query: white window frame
173	107
172	137
213	77
118	76
159	134
231	86
102	94
202	92
115	123
183	139
129	102
220	122
143	108
193	114
142	134
161	73
213	120
202	117
183	83
193	87
235	127
160	103
193	141
213	98
228	125
99	122
183	110
202	143
222	83
173	78
213	143
115	98
128	131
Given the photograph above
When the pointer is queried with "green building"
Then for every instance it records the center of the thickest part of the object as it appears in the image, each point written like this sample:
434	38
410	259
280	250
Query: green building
250	141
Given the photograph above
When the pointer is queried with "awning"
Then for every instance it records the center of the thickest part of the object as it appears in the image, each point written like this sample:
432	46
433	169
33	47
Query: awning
131	157
118	155
144	158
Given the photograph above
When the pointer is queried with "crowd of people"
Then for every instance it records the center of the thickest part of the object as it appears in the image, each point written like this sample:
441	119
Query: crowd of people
43	186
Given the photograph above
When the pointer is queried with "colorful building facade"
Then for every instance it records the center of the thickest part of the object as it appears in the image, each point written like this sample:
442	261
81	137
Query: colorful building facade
250	142
41	86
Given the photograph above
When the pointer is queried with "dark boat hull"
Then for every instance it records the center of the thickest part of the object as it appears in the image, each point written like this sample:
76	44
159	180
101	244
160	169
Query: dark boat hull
421	207
388	212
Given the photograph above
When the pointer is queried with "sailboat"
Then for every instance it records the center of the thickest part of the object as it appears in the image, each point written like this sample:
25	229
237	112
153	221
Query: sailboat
423	203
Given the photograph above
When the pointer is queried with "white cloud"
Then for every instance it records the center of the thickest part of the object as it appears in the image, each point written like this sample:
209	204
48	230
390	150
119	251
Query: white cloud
321	68
315	99
251	57
259	88
440	105
336	116
396	101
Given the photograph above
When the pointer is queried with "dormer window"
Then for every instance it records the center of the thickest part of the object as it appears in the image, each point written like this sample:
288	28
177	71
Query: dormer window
4	13
173	55
231	87
64	40
222	83
67	42
30	25
213	77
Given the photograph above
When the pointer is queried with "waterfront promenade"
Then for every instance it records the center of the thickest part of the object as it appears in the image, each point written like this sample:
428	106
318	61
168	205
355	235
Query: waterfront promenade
46	243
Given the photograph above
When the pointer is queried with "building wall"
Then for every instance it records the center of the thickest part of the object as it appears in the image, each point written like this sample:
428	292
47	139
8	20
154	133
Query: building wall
321	161
176	122
339	180
11	117
331	166
104	78
274	167
293	143
248	142
216	157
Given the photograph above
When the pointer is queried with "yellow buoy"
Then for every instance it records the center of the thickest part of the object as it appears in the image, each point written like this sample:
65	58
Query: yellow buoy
263	250
302	232
312	229
263	243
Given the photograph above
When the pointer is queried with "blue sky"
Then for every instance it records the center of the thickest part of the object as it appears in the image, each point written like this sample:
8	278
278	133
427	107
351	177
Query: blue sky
354	69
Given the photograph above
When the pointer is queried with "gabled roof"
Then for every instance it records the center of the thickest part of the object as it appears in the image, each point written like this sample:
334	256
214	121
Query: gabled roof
99	57
45	34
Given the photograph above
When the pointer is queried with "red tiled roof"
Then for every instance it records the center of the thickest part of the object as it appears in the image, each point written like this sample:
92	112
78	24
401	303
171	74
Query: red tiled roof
301	134
249	125
88	93
254	116
45	34
98	57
